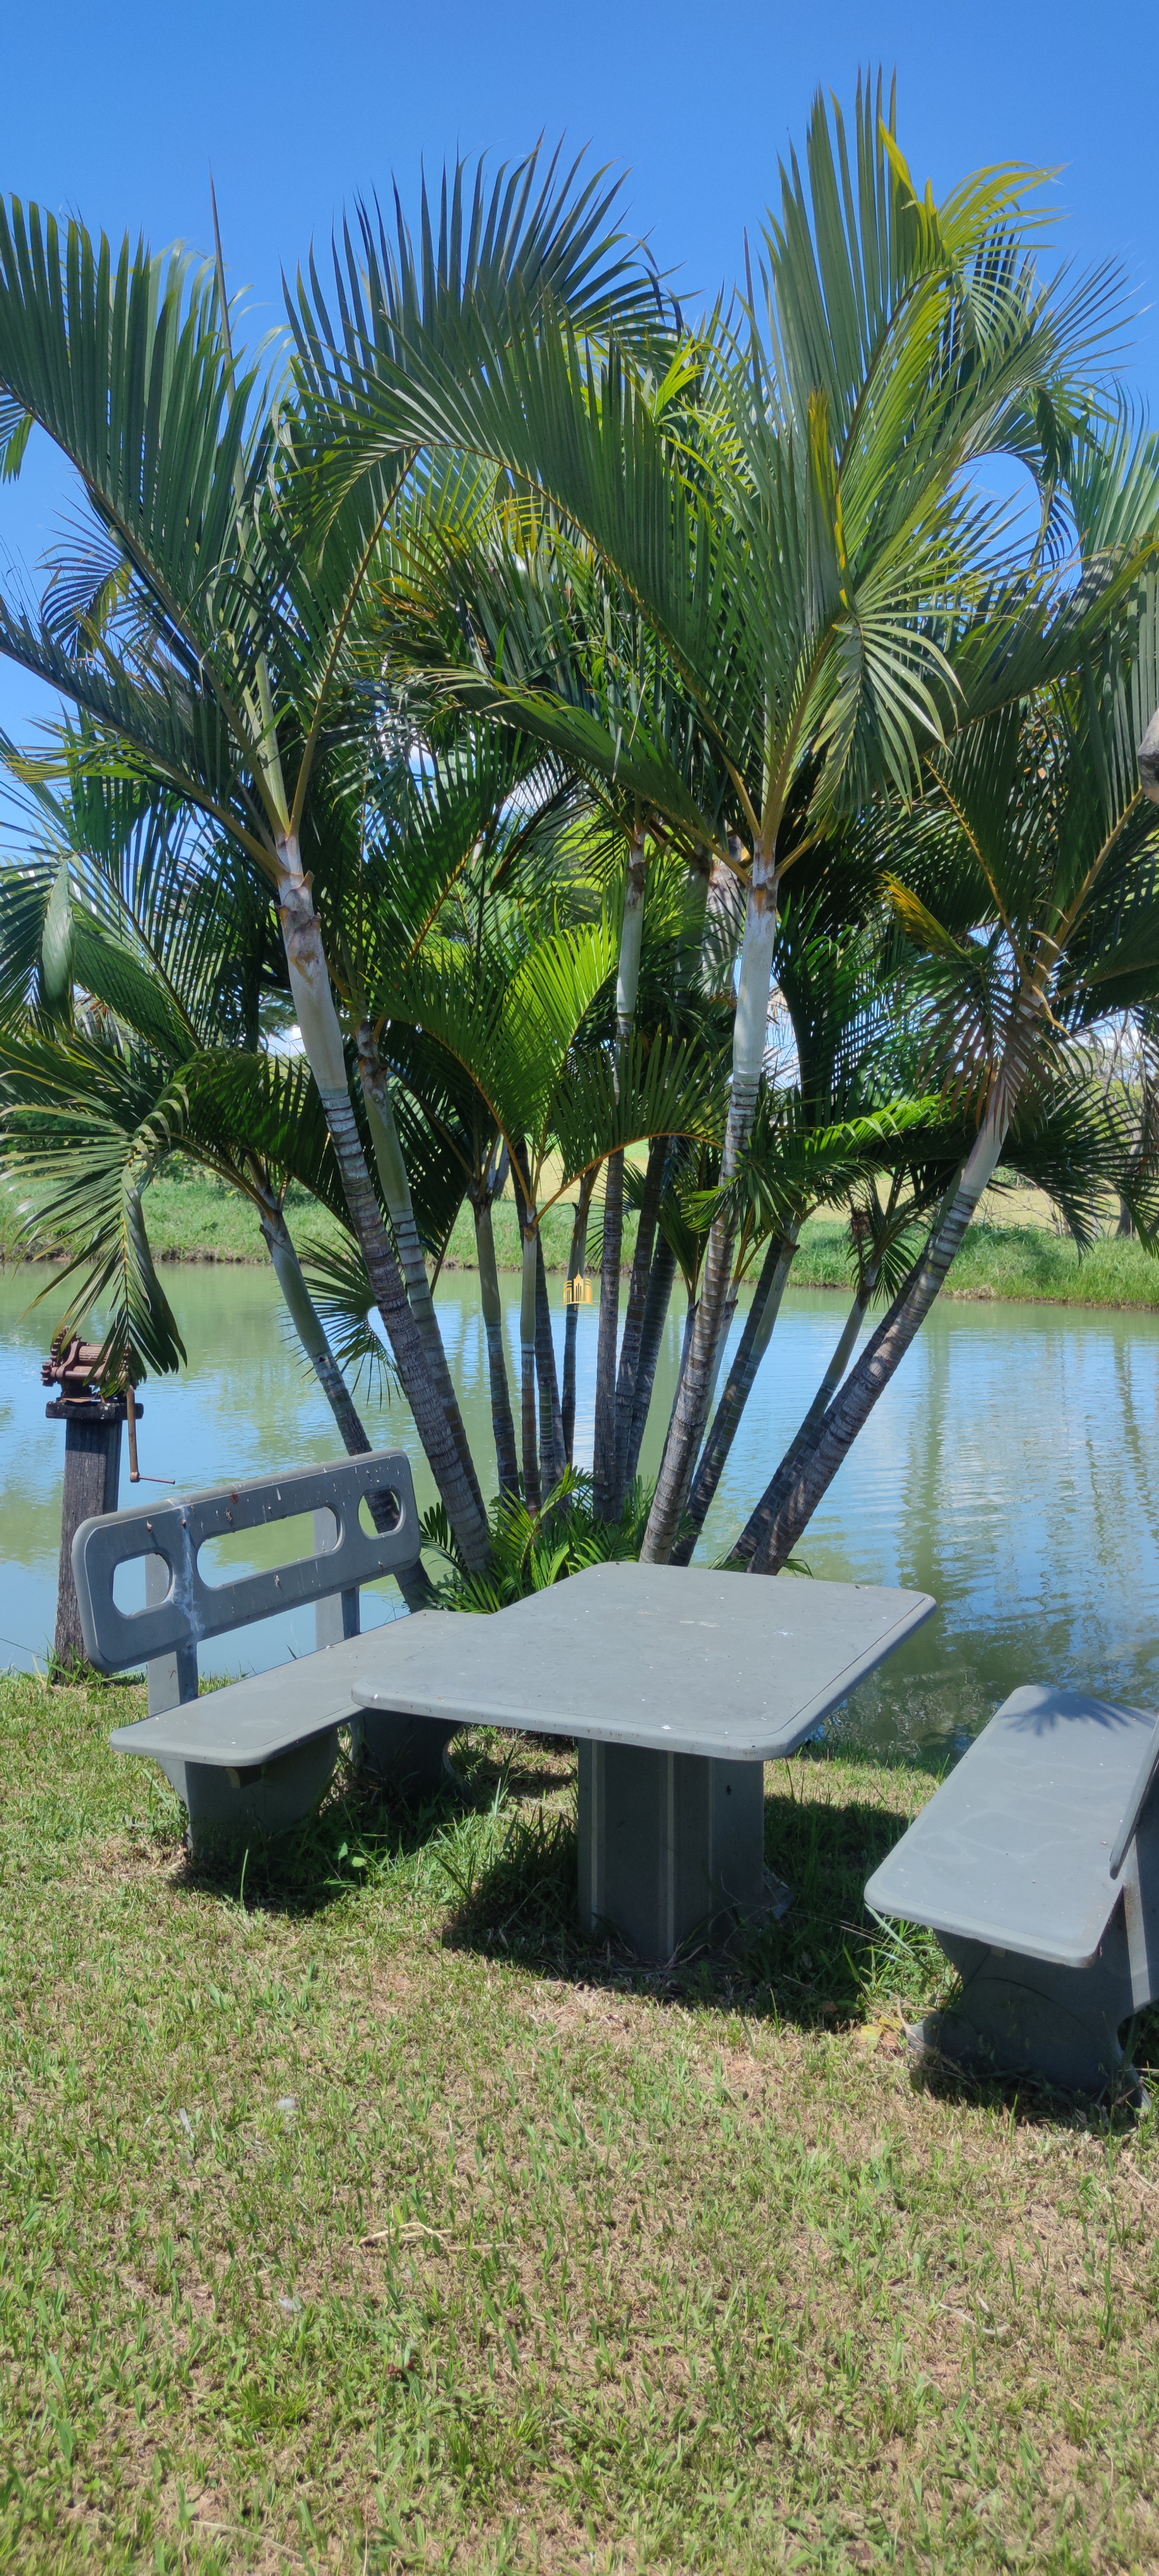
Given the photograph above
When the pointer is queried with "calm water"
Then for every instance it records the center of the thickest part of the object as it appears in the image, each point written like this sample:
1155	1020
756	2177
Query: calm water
1012	1471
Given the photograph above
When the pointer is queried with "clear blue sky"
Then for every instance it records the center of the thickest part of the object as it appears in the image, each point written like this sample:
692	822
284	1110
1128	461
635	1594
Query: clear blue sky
116	112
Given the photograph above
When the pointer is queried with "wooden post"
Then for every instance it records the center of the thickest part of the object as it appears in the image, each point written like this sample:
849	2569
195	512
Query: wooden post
92	1476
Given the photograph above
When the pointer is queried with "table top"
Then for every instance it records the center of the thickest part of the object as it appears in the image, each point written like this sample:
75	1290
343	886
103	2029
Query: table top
741	1668
1015	1849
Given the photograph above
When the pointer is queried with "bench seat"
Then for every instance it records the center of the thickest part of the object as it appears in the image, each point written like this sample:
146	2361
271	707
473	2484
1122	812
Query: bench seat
1037	1865
250	1722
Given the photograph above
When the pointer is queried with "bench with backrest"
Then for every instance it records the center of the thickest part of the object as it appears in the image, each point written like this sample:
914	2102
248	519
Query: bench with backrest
678	1685
1037	1865
257	1754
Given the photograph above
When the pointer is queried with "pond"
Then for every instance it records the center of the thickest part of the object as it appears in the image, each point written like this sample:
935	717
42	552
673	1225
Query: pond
1012	1470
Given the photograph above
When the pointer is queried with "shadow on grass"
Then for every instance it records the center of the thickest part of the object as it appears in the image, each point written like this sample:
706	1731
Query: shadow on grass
513	1894
357	1837
497	1862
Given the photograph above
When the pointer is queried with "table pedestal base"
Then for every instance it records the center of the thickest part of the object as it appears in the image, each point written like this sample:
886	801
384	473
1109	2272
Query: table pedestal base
671	1846
408	1754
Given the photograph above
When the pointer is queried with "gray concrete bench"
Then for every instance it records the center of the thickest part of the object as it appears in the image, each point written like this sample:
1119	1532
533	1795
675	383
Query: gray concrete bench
1037	1865
257	1755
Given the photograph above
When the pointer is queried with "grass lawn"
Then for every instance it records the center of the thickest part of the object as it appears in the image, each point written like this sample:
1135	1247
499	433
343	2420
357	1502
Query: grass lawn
1029	1263
360	2217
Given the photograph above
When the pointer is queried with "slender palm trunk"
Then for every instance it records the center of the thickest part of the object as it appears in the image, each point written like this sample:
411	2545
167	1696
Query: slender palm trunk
782	1483
656	1304
627	984
575	1272
502	1419
604	1444
694	1394
392	1174
846	1345
750	1351
532	1491
634	1315
685	1347
311	1331
322	1039
552	1454
412	1582
780	1517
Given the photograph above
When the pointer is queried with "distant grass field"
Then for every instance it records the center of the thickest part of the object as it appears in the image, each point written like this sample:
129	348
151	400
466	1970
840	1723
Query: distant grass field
358	2216
191	1219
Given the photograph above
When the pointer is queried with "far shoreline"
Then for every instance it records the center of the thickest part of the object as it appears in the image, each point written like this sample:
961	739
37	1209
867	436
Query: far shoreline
204	1225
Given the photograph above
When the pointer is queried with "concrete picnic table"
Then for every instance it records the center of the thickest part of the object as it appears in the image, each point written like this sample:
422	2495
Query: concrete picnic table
679	1685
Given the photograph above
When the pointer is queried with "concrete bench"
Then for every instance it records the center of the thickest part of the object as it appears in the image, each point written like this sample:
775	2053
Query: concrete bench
257	1755
1037	1865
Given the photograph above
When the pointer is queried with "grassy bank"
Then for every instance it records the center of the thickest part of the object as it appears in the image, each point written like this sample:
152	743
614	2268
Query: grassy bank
1028	1263
198	1220
365	2219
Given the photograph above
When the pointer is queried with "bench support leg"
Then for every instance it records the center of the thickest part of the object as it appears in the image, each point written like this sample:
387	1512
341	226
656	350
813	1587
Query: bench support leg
1019	2016
671	1845
228	1809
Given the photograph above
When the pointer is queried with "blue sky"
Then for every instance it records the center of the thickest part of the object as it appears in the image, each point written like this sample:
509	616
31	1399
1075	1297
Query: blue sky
116	112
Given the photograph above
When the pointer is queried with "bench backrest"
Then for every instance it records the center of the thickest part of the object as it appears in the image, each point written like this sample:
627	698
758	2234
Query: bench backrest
184	1609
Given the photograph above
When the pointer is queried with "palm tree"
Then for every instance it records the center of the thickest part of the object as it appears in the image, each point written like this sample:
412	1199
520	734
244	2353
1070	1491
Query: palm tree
1032	896
785	505
210	638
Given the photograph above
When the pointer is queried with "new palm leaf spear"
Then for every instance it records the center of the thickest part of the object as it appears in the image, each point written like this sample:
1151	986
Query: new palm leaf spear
777	510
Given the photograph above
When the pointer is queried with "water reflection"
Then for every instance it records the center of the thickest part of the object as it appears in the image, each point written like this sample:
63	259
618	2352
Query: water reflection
1011	1471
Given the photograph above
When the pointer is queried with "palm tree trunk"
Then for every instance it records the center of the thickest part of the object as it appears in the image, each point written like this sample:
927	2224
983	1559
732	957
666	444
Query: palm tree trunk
412	1581
627	984
552	1455
685	1347
782	1482
656	1306
780	1518
694	1394
575	1272
322	1039
634	1315
392	1174
532	1493
604	1445
753	1344
502	1419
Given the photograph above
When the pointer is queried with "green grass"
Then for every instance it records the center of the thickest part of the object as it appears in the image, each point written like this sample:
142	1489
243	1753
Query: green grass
365	2218
1027	1263
191	1219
